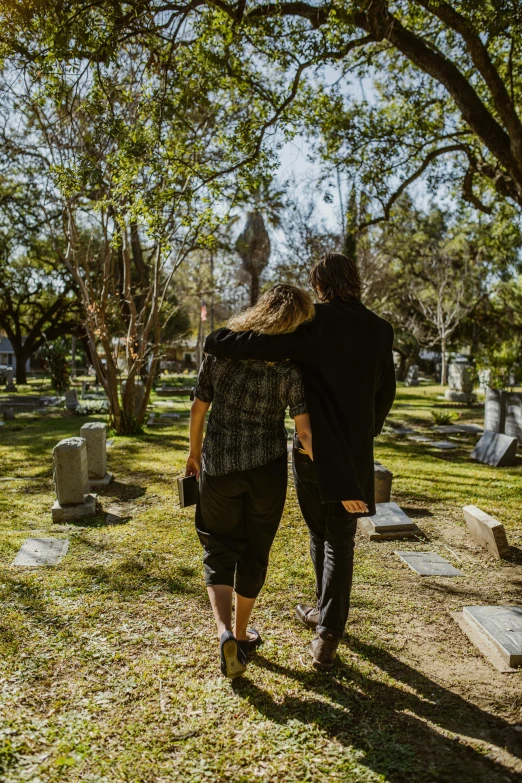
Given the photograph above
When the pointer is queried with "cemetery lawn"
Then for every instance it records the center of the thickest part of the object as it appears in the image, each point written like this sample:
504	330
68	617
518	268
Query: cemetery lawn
109	663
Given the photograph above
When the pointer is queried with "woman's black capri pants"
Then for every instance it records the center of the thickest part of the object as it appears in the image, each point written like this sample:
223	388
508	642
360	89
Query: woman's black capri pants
237	517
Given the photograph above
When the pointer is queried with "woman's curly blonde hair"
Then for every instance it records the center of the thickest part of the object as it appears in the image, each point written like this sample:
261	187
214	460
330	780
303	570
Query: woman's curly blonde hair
279	311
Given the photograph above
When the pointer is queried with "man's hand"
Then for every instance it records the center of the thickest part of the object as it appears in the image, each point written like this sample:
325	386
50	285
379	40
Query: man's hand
193	467
355	506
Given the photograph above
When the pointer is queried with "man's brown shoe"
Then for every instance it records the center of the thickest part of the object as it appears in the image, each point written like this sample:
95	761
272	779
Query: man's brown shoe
324	652
308	615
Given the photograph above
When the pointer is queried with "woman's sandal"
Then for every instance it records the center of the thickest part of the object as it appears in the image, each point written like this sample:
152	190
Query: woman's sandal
252	643
233	658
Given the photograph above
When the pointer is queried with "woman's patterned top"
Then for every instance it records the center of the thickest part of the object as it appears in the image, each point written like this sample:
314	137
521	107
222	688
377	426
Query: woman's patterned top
246	427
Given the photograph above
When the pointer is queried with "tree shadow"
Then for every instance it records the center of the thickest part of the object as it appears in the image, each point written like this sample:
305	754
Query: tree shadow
515	555
399	732
121	490
136	574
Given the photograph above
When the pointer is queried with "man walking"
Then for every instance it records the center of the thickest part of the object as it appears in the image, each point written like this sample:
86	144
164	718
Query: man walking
345	356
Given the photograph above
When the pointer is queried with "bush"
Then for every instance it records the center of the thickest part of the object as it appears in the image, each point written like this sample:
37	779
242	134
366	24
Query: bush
56	357
444	417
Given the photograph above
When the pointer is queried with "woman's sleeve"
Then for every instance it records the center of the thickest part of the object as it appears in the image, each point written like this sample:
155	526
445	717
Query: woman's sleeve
296	395
204	388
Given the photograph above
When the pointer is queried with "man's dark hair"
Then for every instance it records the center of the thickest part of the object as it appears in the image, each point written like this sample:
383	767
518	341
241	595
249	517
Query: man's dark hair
335	275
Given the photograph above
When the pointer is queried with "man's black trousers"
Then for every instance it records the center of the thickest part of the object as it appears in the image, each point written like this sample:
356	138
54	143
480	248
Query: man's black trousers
332	540
237	516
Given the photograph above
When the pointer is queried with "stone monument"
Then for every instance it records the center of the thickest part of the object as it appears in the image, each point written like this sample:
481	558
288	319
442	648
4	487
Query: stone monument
495	410
71	481
71	400
10	385
412	376
460	383
95	435
495	449
383	483
9	414
513	423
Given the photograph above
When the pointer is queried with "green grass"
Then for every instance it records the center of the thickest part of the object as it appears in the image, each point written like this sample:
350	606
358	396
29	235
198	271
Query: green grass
109	662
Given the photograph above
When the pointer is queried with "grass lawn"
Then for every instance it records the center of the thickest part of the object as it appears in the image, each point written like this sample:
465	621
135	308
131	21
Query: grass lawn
108	662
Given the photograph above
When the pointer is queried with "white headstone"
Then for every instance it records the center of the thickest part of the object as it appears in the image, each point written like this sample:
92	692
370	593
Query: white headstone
95	434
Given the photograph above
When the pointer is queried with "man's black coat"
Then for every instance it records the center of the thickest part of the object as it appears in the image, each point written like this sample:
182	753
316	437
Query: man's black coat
345	356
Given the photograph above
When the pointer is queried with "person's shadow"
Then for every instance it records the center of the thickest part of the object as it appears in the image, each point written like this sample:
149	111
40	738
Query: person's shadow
401	731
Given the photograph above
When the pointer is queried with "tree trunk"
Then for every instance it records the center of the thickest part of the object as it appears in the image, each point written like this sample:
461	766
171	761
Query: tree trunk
443	362
254	288
21	373
73	357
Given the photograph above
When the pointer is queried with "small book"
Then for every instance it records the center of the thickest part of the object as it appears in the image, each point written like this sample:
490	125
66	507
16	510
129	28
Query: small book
188	491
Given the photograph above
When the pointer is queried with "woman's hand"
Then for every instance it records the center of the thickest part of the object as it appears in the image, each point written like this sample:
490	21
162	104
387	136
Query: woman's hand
193	466
355	506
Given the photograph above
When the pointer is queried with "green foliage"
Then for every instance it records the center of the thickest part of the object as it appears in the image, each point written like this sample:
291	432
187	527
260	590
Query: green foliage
444	417
56	356
502	362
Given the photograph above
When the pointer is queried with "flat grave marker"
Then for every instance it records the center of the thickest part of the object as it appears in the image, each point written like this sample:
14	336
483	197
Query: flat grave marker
495	449
390	522
443	445
428	564
41	551
502	625
474	428
420	439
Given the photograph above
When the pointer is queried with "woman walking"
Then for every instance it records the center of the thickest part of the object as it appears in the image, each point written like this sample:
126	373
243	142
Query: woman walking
242	466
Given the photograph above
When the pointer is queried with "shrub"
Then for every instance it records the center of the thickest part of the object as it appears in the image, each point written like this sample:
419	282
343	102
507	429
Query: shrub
56	357
444	417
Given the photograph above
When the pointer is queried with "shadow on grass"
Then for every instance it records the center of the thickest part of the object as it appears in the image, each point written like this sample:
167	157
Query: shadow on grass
515	555
140	574
400	732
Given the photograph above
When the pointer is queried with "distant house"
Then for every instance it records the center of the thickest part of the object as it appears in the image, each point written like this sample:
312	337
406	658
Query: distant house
181	355
8	358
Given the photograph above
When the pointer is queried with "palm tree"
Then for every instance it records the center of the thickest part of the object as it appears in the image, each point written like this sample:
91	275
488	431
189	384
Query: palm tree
253	247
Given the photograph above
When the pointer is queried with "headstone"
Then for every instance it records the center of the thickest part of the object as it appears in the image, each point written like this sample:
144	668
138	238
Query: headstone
482	642
457	396
95	434
383	483
495	449
487	531
41	551
513	422
401	430
71	400
419	439
85	388
495	410
71	481
459	377
502	625
443	445
412	376
428	564
10	385
9	414
389	522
